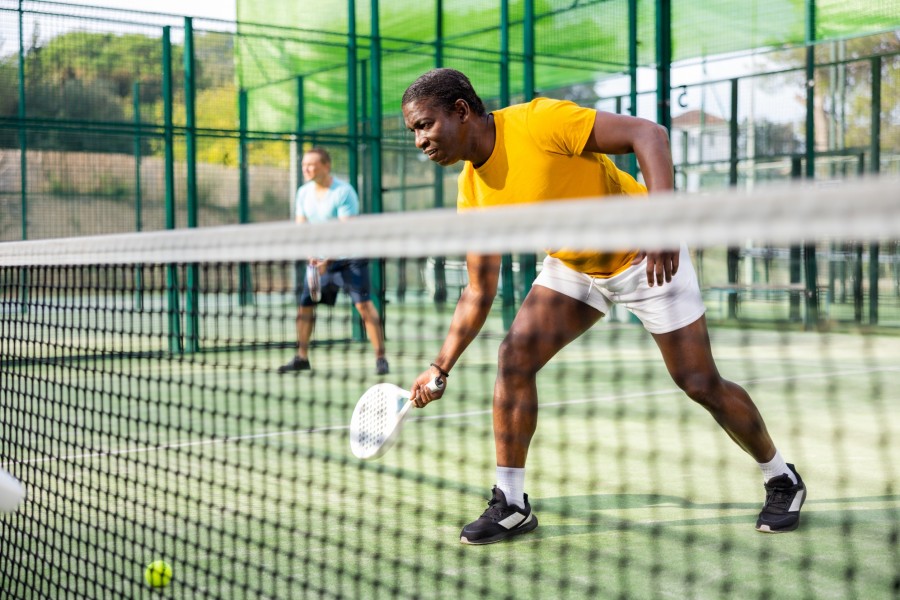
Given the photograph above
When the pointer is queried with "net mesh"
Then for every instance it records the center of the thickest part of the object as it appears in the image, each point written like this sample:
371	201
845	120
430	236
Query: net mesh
143	410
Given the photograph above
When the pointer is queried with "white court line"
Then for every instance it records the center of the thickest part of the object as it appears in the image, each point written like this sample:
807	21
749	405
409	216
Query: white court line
207	442
472	413
670	390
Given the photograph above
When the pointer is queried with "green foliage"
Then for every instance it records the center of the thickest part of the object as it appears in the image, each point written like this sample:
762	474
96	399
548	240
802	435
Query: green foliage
9	103
276	154
91	78
106	185
75	100
859	76
8	82
120	59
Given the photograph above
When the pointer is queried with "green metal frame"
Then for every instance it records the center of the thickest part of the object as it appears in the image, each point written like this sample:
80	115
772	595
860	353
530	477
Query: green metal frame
23	157
245	280
176	342
364	120
192	284
809	251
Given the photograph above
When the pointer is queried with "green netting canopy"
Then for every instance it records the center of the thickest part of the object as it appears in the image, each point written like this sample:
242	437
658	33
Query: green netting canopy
575	41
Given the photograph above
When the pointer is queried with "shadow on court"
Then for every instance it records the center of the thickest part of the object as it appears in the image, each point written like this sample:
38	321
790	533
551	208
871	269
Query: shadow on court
574	515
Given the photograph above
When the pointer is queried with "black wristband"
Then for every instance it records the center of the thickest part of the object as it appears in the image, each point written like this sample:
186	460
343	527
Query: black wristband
443	373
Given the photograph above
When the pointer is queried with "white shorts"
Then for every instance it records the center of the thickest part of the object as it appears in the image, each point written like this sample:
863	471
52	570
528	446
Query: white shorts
661	309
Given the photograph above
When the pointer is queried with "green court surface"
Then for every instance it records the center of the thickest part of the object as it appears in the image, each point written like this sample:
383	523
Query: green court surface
243	481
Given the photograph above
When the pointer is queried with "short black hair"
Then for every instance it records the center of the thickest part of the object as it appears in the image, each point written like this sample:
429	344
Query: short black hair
444	87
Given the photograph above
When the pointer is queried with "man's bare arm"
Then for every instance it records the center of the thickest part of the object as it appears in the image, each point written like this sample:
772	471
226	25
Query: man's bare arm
623	134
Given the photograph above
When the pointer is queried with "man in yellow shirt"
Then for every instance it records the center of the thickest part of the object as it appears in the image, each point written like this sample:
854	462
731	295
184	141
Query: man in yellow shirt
547	150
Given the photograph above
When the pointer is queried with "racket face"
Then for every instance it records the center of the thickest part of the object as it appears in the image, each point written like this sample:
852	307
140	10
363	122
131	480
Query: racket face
11	492
377	419
313	283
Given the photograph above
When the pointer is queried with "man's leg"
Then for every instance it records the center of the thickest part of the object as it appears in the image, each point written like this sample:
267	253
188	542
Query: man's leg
306	322
546	322
372	322
306	319
375	331
544	325
688	357
354	276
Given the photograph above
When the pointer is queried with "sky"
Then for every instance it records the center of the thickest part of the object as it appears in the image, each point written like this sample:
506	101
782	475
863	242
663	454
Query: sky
211	9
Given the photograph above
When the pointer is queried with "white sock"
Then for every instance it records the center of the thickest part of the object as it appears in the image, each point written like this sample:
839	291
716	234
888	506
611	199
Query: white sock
511	482
776	467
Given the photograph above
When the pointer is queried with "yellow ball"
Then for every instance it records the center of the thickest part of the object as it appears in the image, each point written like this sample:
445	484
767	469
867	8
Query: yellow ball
158	574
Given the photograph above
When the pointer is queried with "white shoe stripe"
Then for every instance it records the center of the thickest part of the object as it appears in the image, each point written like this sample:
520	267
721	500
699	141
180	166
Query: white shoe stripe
798	501
514	520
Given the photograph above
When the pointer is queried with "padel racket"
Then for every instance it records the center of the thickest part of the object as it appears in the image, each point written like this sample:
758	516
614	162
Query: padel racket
313	282
378	417
11	492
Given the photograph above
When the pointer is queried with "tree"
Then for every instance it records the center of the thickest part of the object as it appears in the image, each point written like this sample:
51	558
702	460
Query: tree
857	132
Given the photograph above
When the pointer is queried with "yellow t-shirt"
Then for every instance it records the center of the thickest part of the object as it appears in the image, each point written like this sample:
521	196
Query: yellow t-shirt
537	157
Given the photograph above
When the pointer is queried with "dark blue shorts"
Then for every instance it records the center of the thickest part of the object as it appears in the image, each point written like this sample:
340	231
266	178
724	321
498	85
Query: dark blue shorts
352	276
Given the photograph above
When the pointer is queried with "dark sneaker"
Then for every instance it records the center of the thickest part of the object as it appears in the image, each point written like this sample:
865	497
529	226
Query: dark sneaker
499	521
296	364
781	512
381	366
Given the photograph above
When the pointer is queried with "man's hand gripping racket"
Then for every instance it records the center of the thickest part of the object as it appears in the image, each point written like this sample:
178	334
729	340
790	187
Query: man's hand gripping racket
378	417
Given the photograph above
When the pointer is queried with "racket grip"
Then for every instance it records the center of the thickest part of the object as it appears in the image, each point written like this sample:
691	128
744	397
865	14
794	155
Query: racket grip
435	385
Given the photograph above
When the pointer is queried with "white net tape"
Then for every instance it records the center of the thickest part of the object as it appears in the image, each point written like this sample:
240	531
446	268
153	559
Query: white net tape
859	210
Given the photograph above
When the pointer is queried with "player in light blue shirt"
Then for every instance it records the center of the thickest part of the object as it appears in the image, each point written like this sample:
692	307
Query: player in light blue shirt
338	201
324	198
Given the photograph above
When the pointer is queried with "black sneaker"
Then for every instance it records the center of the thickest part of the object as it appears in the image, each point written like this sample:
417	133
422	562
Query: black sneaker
500	521
381	366
784	498
296	364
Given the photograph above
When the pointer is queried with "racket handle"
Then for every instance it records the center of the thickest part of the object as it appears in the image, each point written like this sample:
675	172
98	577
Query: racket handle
435	385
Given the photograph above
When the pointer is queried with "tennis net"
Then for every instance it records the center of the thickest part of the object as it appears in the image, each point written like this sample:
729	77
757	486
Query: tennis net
143	409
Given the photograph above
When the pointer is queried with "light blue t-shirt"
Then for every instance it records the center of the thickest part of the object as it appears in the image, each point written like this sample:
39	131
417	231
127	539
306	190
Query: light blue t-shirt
340	201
